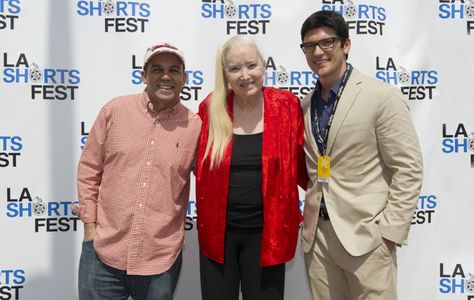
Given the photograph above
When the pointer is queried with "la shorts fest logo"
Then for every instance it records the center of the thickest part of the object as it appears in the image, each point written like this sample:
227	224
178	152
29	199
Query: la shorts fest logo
11	282
458	10
11	147
456	140
118	16
46	83
415	84
9	14
52	216
361	19
425	209
241	18
192	90
300	83
455	280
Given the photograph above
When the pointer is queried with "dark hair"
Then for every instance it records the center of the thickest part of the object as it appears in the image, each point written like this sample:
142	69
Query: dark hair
326	18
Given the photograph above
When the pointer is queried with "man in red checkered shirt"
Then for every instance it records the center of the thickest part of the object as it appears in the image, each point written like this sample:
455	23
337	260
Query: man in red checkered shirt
133	186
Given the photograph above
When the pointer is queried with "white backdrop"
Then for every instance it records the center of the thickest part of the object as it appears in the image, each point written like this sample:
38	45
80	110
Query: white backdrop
62	60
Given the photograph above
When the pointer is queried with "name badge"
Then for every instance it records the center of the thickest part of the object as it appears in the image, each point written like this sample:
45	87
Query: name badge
324	168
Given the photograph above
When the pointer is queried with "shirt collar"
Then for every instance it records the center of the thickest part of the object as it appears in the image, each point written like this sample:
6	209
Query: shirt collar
165	114
334	88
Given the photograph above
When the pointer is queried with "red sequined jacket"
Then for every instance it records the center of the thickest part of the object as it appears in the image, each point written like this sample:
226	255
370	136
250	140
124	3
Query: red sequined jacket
283	168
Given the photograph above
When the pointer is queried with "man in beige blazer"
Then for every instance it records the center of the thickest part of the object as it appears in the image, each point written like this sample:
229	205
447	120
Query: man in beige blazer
360	130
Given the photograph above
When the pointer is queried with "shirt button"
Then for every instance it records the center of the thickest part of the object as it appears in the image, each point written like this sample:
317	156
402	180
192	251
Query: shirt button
144	184
140	205
148	163
152	142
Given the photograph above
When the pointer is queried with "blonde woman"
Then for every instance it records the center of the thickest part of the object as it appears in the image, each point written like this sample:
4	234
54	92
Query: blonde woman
250	161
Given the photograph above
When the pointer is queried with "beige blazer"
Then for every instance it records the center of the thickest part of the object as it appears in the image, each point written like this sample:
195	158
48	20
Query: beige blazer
376	167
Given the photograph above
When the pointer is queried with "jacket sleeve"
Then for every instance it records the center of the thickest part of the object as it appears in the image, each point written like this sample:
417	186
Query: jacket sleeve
400	150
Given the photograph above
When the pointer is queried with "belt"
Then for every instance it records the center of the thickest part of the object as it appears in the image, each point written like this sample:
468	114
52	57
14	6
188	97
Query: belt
323	213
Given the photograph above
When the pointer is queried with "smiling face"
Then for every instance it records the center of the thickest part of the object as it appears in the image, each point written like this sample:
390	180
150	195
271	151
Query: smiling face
244	70
165	78
328	64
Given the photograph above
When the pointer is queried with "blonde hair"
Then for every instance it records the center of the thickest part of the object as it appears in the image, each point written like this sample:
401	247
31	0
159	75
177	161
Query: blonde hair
220	124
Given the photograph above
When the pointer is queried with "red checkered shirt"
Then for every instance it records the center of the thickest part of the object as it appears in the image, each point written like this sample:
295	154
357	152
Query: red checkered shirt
133	182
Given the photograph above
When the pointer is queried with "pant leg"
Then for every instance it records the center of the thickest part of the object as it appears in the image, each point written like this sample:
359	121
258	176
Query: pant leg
327	280
98	281
221	281
259	283
156	287
335	274
371	276
376	278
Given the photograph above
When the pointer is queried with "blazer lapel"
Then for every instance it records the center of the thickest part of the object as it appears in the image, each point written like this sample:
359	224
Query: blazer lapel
348	97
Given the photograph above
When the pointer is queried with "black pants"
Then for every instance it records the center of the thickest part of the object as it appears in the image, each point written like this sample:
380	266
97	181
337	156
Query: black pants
241	266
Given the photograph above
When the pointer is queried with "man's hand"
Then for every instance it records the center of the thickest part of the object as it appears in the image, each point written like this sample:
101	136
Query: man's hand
89	231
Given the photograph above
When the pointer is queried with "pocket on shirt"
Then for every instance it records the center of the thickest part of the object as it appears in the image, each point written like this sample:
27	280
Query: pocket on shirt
183	160
180	168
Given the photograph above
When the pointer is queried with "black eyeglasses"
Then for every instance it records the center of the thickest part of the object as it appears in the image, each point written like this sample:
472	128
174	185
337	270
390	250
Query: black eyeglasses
325	44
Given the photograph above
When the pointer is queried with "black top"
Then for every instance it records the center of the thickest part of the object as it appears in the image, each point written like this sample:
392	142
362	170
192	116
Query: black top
244	202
